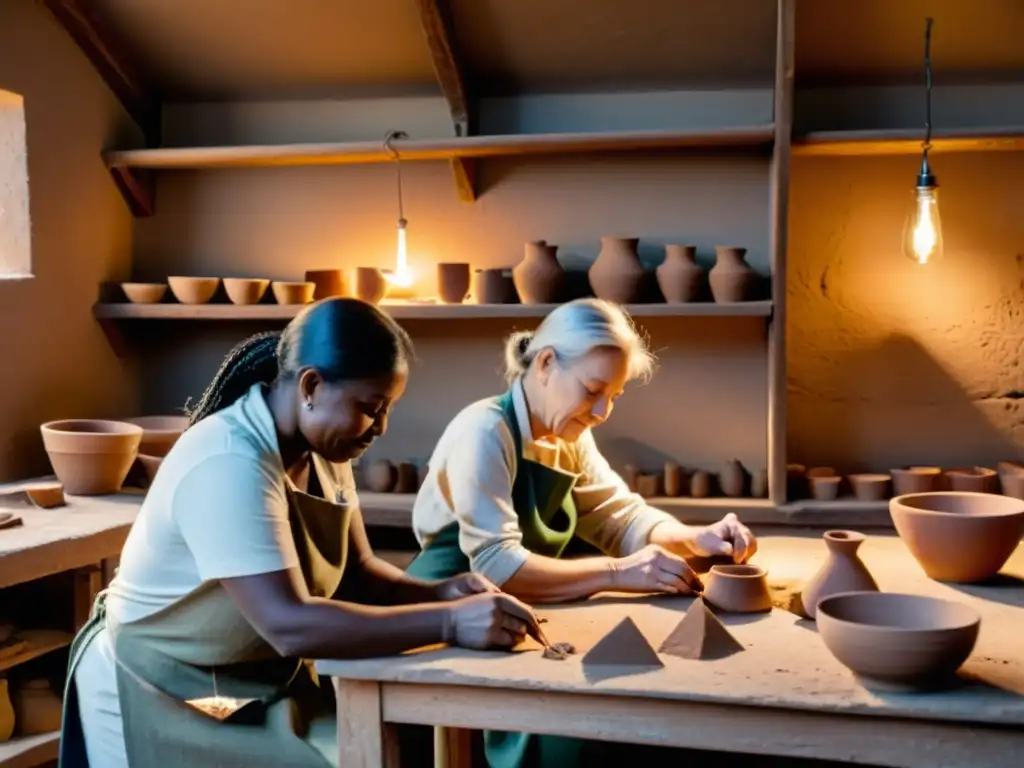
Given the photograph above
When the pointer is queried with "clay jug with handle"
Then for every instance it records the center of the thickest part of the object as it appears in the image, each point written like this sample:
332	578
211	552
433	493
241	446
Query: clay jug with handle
843	571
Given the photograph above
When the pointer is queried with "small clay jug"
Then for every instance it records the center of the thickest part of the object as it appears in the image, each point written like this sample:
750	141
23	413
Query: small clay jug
539	278
679	275
731	278
842	571
370	284
453	282
494	286
617	274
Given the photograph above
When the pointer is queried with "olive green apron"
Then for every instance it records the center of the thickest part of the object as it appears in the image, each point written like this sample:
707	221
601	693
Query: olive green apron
542	499
202	645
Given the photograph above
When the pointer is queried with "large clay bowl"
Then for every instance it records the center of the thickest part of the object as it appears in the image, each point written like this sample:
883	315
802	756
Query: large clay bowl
159	433
895	641
956	535
91	457
737	589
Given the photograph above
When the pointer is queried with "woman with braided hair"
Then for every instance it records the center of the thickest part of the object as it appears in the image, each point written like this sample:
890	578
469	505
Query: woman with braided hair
249	556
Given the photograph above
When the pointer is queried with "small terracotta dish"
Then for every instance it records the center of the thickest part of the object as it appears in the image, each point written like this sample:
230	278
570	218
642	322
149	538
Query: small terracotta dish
292	293
159	433
91	457
144	293
914	479
245	290
896	641
957	536
867	487
193	290
738	589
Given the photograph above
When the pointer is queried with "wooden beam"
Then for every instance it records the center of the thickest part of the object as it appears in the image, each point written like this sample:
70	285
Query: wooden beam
137	187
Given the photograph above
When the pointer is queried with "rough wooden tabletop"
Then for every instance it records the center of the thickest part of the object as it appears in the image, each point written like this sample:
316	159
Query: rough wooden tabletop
785	663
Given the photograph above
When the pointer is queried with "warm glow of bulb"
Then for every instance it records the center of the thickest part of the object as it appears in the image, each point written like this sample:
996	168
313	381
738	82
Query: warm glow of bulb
401	277
922	235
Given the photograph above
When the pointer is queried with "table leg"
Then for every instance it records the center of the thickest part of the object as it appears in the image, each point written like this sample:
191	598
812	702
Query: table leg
453	747
364	739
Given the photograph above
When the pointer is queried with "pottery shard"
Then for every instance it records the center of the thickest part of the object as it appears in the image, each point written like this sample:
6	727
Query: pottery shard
700	635
623	646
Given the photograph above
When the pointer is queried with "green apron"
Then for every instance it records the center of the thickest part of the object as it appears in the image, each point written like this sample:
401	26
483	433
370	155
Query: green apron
542	499
201	641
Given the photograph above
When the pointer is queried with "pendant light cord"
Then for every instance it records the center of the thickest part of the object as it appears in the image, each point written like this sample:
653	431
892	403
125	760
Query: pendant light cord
390	149
928	85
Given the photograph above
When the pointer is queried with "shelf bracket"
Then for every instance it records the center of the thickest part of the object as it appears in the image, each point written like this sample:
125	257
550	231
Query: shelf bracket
138	188
464	171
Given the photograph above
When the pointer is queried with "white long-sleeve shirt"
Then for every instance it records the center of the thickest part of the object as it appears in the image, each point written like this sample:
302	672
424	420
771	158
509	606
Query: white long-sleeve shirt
470	482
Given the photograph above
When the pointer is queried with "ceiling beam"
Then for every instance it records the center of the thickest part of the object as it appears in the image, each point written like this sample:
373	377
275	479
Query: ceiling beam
439	29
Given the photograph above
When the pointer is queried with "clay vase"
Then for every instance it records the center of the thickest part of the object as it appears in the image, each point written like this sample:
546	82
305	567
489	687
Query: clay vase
452	282
37	709
91	457
6	712
842	571
370	284
738	589
732	479
494	286
539	278
617	274
381	476
731	278
328	282
679	275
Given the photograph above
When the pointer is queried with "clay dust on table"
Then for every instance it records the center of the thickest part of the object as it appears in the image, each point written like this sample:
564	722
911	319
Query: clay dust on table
700	635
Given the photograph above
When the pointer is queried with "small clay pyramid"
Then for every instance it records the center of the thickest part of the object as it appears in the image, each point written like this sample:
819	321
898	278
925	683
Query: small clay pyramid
700	635
623	646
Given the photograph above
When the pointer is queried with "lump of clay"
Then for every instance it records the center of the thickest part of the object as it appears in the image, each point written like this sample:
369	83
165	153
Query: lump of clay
559	651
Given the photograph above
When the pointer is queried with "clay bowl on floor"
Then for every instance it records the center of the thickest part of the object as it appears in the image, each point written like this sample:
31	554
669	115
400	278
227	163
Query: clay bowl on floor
245	290
737	589
894	641
91	457
159	433
958	536
867	487
193	290
144	293
292	293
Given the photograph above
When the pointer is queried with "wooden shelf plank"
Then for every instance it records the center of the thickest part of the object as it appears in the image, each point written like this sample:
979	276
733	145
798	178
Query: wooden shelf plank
435	149
40	642
908	141
29	751
412	311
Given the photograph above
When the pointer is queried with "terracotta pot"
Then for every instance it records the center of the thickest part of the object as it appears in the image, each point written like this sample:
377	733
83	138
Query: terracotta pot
842	571
673	479
539	278
329	283
825	488
381	476
292	293
452	282
679	275
618	275
91	457
732	479
370	284
1011	478
700	484
738	589
193	290
159	433
245	290
957	536
914	479
37	709
494	286
973	480
150	465
144	293
759	484
868	487
6	712
731	278
894	641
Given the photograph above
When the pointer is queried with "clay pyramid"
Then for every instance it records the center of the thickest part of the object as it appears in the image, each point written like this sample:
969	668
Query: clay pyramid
623	646
700	635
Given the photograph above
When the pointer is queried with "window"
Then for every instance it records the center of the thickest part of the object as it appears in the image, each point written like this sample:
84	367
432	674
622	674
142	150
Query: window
15	227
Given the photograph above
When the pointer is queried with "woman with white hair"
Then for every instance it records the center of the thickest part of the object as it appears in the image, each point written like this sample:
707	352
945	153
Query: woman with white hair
515	477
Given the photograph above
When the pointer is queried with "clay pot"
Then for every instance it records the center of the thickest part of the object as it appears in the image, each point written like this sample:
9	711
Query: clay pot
738	589
406	477
539	278
6	712
452	282
149	465
244	290
894	641
617	274
759	484
292	293
381	476
37	709
193	290
825	488
329	283
731	278
91	457
144	293
957	536
648	486
842	571
1011	478
494	286
159	433
732	479
679	275
700	484
370	284
868	487
673	479
972	480
914	479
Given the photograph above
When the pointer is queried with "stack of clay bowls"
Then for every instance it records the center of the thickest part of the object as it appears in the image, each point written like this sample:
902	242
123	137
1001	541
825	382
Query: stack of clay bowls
91	457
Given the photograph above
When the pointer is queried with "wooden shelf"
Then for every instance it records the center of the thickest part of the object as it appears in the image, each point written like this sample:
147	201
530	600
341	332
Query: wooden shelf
40	642
29	751
908	142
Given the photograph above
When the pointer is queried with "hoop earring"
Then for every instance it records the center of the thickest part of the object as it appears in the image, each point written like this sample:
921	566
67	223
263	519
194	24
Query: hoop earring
308	405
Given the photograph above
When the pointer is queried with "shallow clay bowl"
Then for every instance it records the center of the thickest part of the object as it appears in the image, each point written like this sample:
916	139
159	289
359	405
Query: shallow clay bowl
292	293
245	290
193	290
159	433
959	536
144	293
737	589
91	457
895	641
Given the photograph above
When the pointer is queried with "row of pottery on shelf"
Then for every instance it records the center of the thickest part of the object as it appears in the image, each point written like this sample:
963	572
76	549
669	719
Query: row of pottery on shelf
674	481
239	290
825	484
383	476
32	708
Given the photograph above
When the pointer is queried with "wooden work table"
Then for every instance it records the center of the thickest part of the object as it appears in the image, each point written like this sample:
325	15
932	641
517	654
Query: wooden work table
784	695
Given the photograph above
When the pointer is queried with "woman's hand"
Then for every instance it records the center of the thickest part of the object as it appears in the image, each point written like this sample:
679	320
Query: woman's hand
463	585
726	538
654	569
489	620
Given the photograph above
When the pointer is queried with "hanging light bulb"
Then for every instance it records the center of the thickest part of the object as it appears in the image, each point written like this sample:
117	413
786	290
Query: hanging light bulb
922	233
400	277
